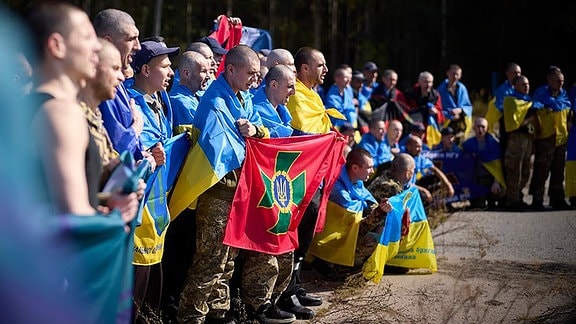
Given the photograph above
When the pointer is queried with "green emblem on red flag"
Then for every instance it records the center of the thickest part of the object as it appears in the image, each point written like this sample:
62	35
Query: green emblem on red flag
283	190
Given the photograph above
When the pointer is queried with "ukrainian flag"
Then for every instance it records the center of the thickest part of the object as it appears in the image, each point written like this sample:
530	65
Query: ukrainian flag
308	112
515	109
433	134
493	115
414	249
220	147
337	242
149	236
571	163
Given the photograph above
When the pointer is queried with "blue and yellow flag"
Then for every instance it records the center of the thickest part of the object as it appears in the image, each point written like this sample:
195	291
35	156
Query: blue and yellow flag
571	163
347	201
220	147
308	112
493	115
149	236
433	134
403	245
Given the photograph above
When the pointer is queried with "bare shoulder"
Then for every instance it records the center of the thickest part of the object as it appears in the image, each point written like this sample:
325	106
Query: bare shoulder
64	120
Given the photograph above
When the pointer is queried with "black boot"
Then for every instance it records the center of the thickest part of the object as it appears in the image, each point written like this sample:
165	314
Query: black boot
292	305
295	288
270	313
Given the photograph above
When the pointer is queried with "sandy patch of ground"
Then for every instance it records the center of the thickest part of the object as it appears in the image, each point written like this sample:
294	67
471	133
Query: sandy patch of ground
462	291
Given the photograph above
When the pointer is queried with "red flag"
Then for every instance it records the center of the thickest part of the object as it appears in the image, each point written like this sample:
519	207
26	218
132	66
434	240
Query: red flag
278	180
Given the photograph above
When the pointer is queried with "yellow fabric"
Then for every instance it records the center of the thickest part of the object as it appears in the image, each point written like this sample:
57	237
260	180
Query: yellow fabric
196	177
148	246
308	112
433	136
493	115
414	251
514	112
553	122
546	124
570	179
495	169
337	242
561	123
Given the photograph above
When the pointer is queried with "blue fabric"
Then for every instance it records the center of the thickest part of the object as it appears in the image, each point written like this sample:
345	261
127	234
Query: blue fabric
526	97
153	132
117	118
381	151
351	195
184	104
560	102
453	148
343	103
367	92
504	90
462	99
276	120
422	167
490	152
216	118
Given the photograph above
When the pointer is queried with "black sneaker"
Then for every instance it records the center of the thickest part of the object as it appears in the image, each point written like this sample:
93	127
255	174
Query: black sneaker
306	299
292	305
268	313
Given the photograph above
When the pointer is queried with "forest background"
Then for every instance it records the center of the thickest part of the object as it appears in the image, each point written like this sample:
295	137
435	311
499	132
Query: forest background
408	36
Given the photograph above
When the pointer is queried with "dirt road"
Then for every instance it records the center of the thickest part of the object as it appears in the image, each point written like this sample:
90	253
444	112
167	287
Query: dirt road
493	267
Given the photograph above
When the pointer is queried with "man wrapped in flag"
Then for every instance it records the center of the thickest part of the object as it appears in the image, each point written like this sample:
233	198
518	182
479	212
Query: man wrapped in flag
225	117
354	219
406	241
550	142
519	115
488	167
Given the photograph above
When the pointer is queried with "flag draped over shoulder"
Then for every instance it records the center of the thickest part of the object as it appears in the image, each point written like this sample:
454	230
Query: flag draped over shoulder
515	110
493	114
308	112
149	236
413	250
278	180
220	147
347	201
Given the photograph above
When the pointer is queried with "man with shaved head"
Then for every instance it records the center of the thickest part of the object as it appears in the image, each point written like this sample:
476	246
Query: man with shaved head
194	72
122	120
225	116
280	56
206	51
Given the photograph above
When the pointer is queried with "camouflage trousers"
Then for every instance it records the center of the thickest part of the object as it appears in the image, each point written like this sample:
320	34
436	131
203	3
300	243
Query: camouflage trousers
264	275
517	164
549	159
206	292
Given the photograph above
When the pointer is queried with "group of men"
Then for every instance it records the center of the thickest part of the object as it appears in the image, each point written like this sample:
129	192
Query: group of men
502	144
108	99
104	95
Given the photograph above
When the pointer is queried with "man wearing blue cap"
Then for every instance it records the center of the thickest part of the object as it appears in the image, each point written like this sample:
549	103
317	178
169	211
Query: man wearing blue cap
216	47
152	76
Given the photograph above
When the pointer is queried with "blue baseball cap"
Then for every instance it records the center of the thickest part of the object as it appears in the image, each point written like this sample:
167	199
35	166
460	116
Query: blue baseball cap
214	45
151	49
